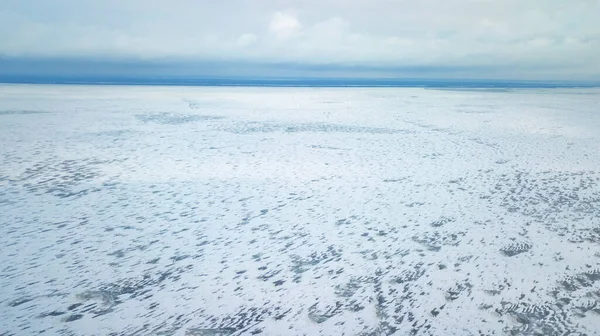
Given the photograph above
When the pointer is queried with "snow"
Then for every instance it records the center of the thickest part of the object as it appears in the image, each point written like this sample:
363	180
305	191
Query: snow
289	211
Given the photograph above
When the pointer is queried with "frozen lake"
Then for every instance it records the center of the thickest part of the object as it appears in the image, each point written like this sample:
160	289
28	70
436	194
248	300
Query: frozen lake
299	211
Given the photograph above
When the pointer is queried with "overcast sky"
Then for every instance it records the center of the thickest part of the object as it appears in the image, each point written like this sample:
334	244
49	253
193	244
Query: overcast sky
529	39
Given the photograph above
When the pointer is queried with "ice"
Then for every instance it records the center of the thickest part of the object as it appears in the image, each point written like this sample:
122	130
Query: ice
299	211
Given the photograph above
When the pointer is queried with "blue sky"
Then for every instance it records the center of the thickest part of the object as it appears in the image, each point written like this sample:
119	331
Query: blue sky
506	39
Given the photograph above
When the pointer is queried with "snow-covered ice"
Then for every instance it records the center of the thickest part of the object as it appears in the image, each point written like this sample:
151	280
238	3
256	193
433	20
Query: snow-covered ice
299	211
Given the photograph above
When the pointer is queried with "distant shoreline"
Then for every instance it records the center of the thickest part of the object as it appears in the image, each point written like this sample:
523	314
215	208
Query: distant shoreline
305	83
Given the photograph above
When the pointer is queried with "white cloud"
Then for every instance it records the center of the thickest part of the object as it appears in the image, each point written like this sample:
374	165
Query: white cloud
246	39
284	25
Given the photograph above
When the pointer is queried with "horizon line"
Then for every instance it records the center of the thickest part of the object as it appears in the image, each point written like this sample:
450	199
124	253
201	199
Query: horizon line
248	81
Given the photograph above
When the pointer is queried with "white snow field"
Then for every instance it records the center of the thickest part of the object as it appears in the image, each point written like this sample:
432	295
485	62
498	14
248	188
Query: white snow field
299	211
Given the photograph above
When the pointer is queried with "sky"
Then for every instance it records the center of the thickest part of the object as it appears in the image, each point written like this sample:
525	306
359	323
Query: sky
504	39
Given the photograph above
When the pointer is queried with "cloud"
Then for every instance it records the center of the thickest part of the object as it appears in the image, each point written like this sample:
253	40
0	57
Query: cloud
284	25
532	39
246	40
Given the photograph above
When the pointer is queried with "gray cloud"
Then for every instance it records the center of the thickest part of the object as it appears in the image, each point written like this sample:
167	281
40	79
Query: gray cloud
534	38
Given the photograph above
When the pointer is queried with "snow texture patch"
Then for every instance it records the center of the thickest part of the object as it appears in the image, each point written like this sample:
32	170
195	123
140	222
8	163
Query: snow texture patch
288	211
